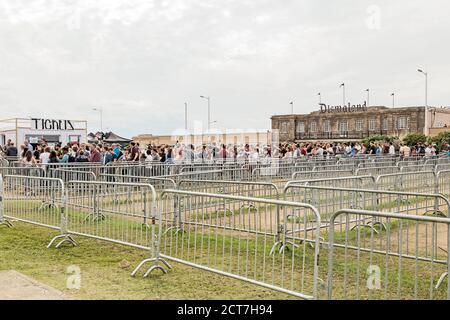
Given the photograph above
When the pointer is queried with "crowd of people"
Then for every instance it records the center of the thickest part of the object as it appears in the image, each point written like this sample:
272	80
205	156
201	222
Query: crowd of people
103	154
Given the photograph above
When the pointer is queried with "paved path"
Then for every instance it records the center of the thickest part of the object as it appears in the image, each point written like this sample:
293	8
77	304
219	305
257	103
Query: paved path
16	286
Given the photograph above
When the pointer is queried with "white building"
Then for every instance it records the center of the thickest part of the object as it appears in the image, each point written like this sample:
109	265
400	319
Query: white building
37	129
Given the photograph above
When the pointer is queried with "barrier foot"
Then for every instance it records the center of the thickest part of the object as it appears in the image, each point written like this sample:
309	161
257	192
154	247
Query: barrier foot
370	226
6	223
436	213
274	247
47	205
441	280
177	230
100	217
155	266
285	245
65	238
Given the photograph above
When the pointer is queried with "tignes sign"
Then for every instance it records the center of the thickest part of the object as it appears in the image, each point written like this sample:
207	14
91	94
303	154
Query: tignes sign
342	109
49	124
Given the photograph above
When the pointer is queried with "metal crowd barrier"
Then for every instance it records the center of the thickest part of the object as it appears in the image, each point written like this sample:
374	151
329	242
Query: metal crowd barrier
3	220
4	162
377	164
437	161
252	189
442	167
303	175
67	175
360	182
348	167
122	213
423	181
157	182
328	200
23	171
418	168
235	238
443	182
407	259
376	171
34	200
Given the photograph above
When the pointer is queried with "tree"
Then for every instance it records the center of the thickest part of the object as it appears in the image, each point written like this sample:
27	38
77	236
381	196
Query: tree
414	138
379	138
440	140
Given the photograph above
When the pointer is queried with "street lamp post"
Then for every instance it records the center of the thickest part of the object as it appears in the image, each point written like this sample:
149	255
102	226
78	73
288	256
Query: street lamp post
393	99
425	130
343	93
292	106
185	116
320	98
100	110
368	96
209	110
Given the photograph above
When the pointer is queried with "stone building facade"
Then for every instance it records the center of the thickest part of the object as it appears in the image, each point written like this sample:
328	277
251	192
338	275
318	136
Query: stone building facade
218	137
356	123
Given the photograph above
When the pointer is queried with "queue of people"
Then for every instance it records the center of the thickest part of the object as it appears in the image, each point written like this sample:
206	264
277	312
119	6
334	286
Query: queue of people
105	154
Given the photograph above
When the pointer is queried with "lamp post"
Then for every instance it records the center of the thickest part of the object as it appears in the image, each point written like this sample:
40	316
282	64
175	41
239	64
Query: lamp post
368	96
209	110
100	110
320	98
343	92
292	106
425	130
393	99
185	116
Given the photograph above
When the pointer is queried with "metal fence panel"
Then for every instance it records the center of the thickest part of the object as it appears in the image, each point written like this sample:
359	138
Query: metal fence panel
418	168
35	171
443	182
235	236
404	256
423	181
376	171
367	182
34	200
310	175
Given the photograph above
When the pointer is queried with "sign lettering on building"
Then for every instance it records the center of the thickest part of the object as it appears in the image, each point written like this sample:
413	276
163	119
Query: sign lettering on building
342	109
49	124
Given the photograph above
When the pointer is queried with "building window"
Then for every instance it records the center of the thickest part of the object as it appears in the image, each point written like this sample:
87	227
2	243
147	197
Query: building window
372	124
301	127
284	127
343	127
385	124
359	125
403	123
327	126
313	127
75	139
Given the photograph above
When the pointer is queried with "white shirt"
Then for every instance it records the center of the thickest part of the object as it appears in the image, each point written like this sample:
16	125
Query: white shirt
392	150
44	157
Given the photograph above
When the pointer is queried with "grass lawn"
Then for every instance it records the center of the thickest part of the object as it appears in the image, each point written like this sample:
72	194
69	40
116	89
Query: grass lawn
23	248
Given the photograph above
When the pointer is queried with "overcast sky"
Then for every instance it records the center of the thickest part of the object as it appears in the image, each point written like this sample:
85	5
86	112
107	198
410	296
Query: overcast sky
141	60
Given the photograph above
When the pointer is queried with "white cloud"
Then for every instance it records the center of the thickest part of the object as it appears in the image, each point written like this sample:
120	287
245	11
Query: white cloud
142	59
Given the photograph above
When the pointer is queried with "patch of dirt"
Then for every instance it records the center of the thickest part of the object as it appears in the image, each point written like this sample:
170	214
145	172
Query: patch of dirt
16	286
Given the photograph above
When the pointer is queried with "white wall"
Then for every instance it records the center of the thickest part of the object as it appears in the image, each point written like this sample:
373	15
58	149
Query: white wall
63	135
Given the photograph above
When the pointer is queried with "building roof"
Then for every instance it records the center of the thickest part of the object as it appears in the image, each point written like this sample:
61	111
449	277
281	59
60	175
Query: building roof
108	137
111	137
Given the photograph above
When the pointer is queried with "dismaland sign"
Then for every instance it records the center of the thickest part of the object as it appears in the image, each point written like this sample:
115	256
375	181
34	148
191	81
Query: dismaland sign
49	124
342	109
